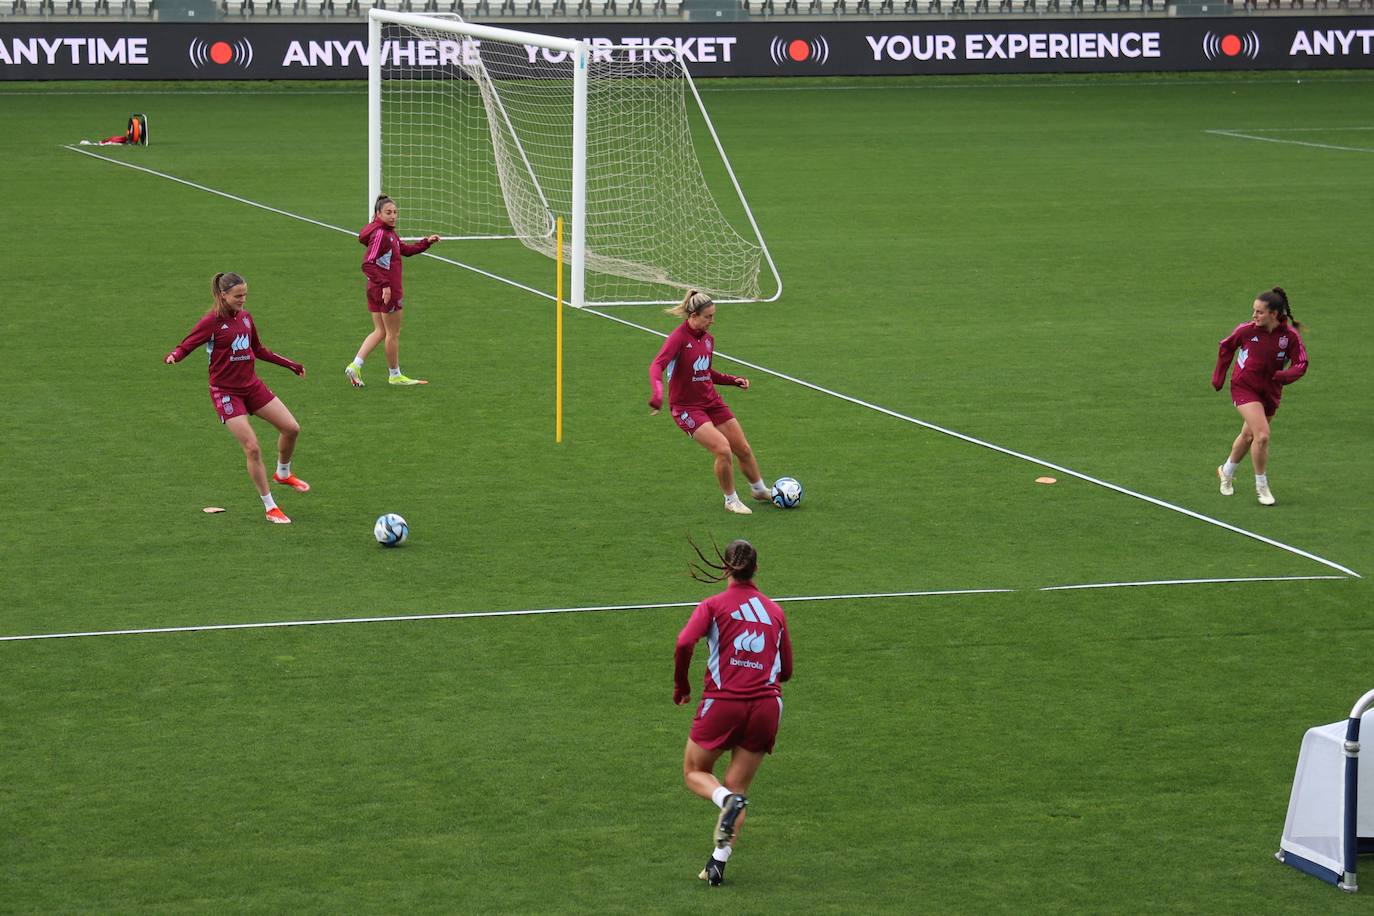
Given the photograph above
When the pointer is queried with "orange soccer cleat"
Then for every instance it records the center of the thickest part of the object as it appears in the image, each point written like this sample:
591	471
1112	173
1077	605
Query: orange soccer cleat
293	482
277	517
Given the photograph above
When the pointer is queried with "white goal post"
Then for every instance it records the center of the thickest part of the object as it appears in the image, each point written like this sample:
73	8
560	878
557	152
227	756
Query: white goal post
489	133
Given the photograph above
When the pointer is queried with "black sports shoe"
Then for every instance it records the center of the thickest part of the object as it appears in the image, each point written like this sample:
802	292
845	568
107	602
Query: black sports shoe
714	872
729	814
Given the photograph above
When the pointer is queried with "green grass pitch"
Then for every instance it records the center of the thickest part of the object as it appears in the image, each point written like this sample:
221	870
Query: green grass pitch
1042	264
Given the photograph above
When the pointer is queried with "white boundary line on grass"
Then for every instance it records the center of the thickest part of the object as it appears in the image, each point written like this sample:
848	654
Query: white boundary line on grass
1240	135
533	612
1039	462
461	615
1068	588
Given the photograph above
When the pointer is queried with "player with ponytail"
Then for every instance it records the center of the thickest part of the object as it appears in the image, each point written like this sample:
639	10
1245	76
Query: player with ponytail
1271	355
749	656
382	266
696	406
230	336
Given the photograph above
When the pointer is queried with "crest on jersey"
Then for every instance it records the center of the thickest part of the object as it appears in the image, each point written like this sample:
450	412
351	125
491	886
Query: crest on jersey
1283	343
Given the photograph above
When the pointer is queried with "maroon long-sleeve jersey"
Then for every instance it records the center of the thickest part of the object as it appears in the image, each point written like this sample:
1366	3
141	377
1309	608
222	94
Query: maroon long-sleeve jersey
686	356
382	263
233	346
749	651
1260	359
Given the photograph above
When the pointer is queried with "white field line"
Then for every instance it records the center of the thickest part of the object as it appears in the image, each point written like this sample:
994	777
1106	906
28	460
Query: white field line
533	612
1003	450
1239	135
1066	588
529	612
1040	462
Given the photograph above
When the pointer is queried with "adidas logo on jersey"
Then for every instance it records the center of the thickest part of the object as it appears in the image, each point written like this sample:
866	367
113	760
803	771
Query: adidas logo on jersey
752	611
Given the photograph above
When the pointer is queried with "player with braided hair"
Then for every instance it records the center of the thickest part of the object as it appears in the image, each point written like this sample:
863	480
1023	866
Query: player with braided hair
1271	355
695	404
749	656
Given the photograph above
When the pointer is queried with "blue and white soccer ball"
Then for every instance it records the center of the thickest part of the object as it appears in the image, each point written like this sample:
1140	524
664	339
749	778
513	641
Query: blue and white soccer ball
391	530
787	492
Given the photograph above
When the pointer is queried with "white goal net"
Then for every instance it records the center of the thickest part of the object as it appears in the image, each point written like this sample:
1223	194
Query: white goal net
475	133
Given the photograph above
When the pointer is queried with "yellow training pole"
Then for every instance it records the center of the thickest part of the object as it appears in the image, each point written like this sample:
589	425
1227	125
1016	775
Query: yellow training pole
558	359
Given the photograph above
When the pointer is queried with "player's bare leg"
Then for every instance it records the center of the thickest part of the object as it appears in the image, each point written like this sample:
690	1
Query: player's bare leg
242	431
698	765
391	322
354	370
1257	429
698	769
748	464
276	413
1256	436
1226	473
714	441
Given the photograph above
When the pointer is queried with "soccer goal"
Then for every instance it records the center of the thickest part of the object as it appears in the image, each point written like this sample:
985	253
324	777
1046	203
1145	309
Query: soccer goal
1330	820
490	133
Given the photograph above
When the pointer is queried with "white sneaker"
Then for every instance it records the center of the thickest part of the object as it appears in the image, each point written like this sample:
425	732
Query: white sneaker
1228	484
1265	497
739	508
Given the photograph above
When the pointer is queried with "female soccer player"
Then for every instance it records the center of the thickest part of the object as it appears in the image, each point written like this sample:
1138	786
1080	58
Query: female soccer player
382	265
694	403
1267	342
749	655
231	338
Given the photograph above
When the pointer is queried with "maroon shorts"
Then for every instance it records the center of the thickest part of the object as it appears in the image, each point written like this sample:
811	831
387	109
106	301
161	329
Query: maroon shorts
689	419
229	406
750	724
1241	396
375	304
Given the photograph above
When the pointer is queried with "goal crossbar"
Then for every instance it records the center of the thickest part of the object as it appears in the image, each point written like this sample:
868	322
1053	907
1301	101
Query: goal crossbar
574	194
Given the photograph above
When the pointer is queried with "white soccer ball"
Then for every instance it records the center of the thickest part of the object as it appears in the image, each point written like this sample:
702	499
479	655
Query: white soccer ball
391	530
787	492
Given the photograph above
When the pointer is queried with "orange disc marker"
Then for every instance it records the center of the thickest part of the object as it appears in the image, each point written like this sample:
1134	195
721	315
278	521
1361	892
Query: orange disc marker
1037	480
211	510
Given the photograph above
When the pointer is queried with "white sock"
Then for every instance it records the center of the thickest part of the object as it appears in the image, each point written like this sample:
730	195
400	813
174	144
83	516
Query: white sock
394	372
357	362
758	486
268	502
1261	480
283	470
722	854
1229	468
719	796
732	497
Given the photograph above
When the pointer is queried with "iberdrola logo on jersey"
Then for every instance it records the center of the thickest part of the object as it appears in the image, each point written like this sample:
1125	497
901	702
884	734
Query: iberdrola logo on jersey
238	349
701	364
749	641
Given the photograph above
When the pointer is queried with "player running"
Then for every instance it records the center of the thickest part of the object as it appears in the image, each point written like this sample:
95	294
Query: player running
749	655
1267	342
382	265
230	337
694	403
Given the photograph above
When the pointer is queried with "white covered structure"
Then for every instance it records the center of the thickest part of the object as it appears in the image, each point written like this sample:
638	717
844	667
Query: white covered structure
1331	811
